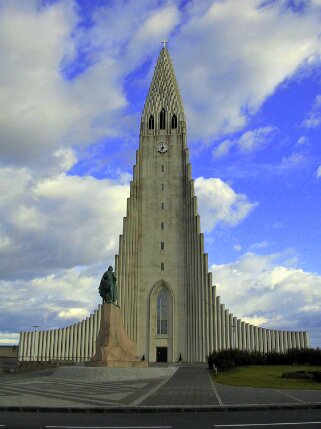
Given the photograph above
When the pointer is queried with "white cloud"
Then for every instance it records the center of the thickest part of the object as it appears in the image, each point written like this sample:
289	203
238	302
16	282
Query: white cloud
318	174
9	338
40	110
50	301
296	159
260	245
254	139
237	247
230	59
250	141
265	288
58	221
303	140
313	119
74	313
223	148
219	203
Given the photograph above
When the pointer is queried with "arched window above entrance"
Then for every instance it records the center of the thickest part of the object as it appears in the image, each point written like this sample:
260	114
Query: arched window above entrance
162	312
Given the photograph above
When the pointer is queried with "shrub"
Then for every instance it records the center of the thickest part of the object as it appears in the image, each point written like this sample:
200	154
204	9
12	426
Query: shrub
226	359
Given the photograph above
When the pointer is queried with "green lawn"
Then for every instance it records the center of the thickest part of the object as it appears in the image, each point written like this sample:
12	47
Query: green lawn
267	376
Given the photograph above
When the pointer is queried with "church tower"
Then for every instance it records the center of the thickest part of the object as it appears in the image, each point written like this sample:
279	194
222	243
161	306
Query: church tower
168	301
163	281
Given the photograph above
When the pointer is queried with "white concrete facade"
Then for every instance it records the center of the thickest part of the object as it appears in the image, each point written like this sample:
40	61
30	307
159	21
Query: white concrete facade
161	254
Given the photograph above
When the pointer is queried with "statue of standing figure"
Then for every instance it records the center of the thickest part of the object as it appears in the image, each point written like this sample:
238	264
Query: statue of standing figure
107	288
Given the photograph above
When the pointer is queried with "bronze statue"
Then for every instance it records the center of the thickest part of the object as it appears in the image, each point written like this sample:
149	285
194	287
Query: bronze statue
107	288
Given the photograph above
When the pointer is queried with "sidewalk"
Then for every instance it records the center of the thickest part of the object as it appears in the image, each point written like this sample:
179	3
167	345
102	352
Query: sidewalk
190	389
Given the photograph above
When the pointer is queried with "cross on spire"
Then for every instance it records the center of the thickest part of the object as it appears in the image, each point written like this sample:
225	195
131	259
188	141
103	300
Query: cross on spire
164	43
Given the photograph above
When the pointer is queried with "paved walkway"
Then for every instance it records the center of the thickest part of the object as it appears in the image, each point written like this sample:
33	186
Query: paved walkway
190	387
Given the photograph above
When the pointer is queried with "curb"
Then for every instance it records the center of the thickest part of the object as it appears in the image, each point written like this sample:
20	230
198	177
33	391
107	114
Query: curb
165	408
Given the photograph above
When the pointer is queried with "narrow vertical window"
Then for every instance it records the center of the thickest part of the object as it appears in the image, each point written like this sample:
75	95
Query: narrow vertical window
162	312
163	168
162	245
174	122
162	225
151	122
162	206
162	266
162	119
162	185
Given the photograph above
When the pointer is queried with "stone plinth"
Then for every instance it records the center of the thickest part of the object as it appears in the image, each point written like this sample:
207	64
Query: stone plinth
114	348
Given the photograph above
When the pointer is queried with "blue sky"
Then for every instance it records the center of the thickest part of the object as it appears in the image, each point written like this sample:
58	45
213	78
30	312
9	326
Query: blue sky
74	76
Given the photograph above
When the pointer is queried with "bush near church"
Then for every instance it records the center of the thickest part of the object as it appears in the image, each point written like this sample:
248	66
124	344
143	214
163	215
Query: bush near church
227	359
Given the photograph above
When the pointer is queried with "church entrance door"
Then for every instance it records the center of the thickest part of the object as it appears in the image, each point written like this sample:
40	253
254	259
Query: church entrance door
161	354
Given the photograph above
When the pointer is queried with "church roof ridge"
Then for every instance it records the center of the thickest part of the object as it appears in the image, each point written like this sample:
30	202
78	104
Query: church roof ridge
164	90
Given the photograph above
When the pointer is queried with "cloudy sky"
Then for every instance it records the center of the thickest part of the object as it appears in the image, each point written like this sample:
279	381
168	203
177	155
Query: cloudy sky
74	75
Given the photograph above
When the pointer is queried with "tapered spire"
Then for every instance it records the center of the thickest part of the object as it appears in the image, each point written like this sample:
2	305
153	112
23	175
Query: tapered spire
164	91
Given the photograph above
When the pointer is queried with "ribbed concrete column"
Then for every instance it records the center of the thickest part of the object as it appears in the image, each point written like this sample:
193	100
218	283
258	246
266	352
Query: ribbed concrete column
91	345
215	343
67	343
306	340
264	340
75	342
227	329
232	332
285	341
248	337
268	340
83	340
49	345
223	333
252	337
56	343
63	345
210	313
78	339
260	338
273	340
293	338
71	343
95	329
256	338
297	340
87	339
219	330
290	346
235	333
26	347
59	341
281	343
44	345
20	351
198	306
239	334
276	339
40	340
34	345
243	330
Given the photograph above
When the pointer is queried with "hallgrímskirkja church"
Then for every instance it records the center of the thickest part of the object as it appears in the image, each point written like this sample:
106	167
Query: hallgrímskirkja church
167	299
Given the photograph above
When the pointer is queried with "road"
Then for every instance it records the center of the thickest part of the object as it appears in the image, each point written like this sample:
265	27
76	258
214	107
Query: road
230	420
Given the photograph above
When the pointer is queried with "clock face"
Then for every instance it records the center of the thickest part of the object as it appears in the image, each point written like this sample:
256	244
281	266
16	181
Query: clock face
162	147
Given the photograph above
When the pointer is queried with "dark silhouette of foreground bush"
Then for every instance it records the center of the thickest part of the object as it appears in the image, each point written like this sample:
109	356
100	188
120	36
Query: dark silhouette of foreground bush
227	359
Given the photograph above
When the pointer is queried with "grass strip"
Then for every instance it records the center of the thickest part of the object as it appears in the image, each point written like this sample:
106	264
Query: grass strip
269	376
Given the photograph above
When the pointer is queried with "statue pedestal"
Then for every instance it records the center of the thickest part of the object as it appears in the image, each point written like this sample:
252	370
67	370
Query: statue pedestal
114	348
